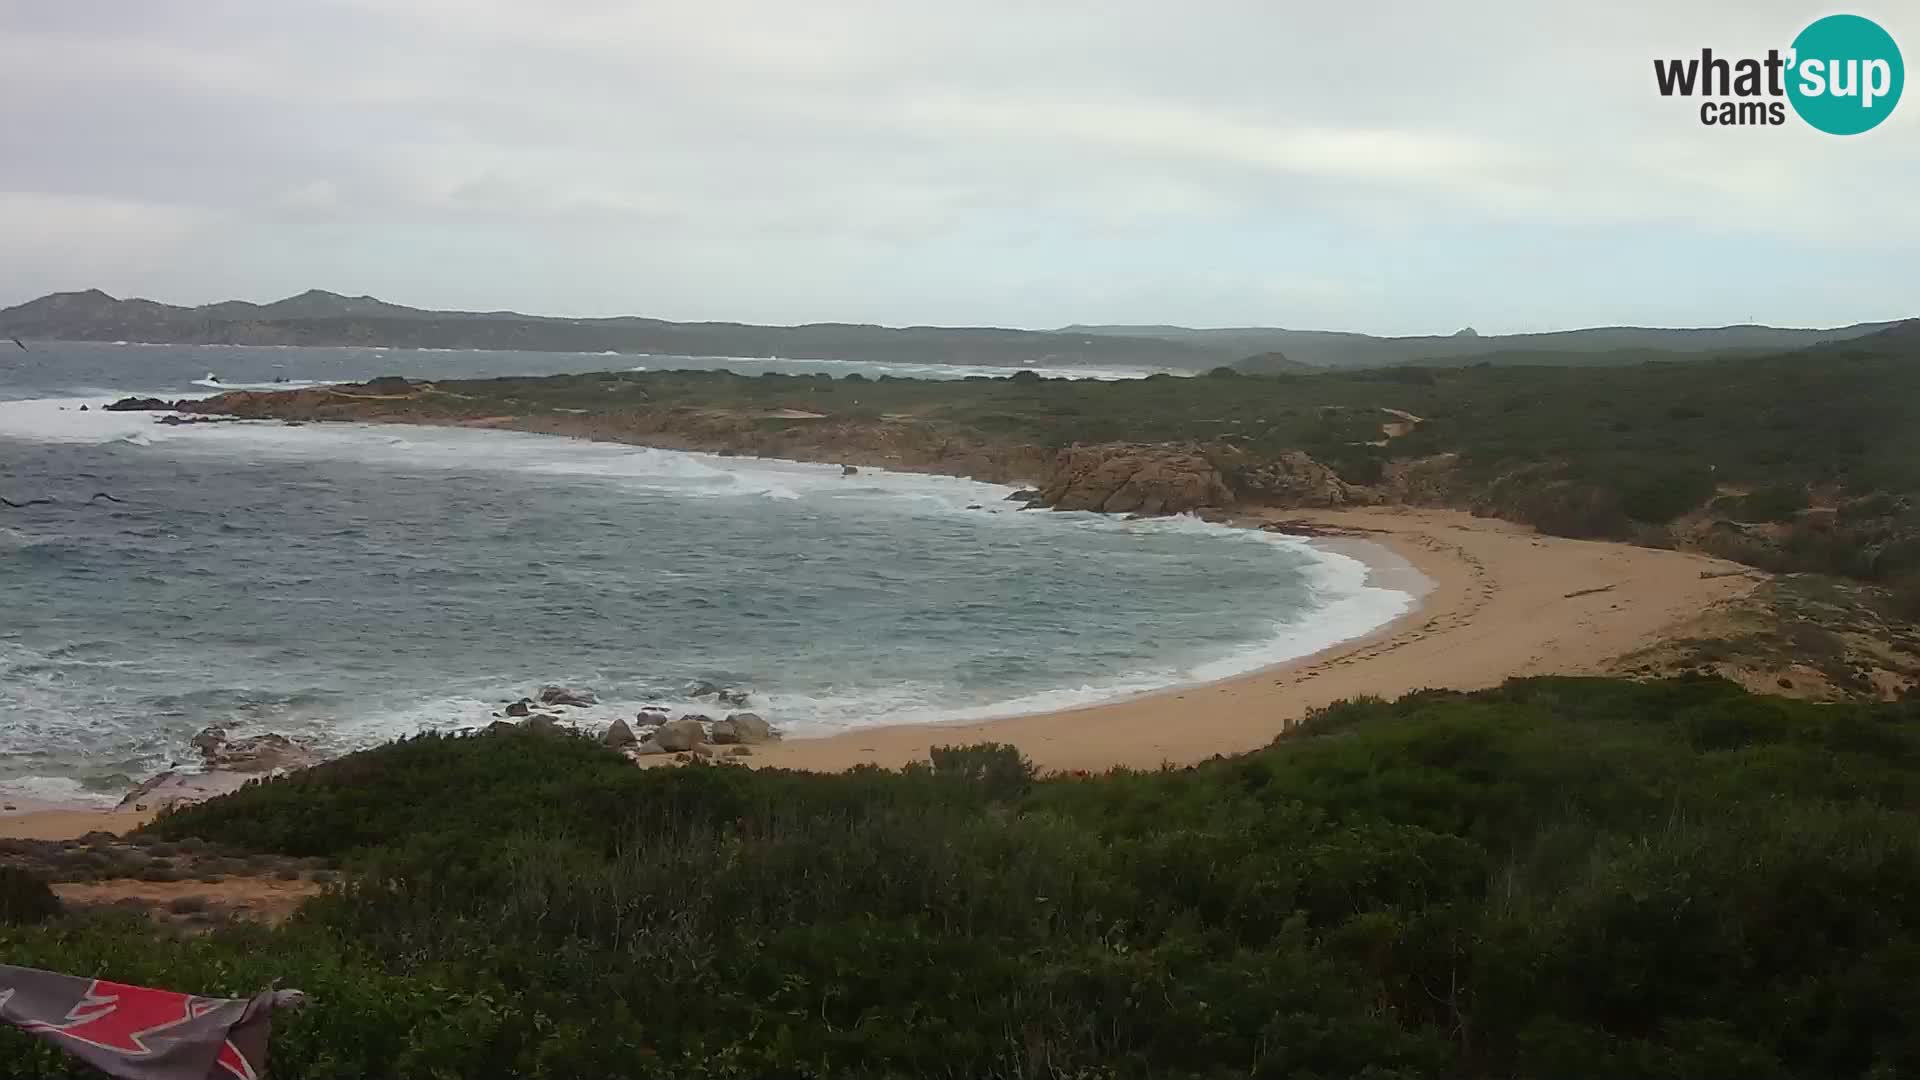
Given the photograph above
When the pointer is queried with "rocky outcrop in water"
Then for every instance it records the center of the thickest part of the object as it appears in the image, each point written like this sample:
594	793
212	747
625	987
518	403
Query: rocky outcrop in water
725	695
139	404
1134	478
560	695
252	754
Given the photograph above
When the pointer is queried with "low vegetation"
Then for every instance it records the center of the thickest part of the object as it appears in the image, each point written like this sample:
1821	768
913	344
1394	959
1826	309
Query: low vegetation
1801	461
1560	877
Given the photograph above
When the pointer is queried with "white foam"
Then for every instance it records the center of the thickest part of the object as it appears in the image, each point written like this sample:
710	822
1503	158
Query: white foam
56	792
1346	604
215	383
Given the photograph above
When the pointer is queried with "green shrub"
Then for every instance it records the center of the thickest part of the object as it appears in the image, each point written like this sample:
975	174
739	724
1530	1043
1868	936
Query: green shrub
1553	877
25	897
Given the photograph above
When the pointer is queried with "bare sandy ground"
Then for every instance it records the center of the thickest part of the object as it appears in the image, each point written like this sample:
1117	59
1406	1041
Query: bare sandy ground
1500	606
1504	601
33	821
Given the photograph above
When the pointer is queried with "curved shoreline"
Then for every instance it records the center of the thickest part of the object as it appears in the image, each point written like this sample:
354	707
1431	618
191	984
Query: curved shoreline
1503	601
1500	607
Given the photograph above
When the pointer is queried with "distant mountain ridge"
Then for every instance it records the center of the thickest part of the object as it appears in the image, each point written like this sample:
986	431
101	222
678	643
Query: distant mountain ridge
318	317
1340	349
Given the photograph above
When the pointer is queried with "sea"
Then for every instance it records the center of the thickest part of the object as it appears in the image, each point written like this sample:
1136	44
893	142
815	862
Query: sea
347	584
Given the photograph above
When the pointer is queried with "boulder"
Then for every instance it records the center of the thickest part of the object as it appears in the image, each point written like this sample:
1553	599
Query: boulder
542	724
560	695
1024	495
682	734
848	470
501	727
619	735
261	753
518	708
649	746
209	740
743	727
1120	478
652	717
731	697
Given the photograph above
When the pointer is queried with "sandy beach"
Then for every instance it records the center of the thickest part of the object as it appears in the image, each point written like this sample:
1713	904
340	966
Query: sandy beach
1503	601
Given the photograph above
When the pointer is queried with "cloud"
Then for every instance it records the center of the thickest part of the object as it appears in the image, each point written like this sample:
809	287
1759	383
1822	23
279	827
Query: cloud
896	162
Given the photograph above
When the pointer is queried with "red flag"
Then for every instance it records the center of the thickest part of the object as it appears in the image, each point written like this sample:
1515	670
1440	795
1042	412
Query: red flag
138	1033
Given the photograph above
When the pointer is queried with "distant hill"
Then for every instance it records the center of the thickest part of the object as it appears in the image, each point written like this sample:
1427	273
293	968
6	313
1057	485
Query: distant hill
317	317
1268	363
1336	349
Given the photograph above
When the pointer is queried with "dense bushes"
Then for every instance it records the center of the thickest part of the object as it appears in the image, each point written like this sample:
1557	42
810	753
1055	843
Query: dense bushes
1561	877
1610	451
25	898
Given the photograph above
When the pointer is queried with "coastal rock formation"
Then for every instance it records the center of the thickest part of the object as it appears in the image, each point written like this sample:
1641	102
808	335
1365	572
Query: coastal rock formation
1120	478
257	753
652	716
680	735
542	724
519	708
560	695
172	788
648	747
1292	478
722	694
139	404
619	735
262	753
1421	481
743	727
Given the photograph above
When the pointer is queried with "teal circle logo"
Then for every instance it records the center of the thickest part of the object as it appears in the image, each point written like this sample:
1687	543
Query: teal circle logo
1846	74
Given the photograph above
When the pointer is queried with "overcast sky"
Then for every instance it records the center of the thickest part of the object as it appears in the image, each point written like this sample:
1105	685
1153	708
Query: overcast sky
1386	167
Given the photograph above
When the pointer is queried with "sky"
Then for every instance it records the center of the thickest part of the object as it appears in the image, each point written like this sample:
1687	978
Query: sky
1383	167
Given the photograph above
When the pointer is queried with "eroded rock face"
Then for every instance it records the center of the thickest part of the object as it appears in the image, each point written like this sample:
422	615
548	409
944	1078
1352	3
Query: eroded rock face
261	753
253	754
1293	478
1130	478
